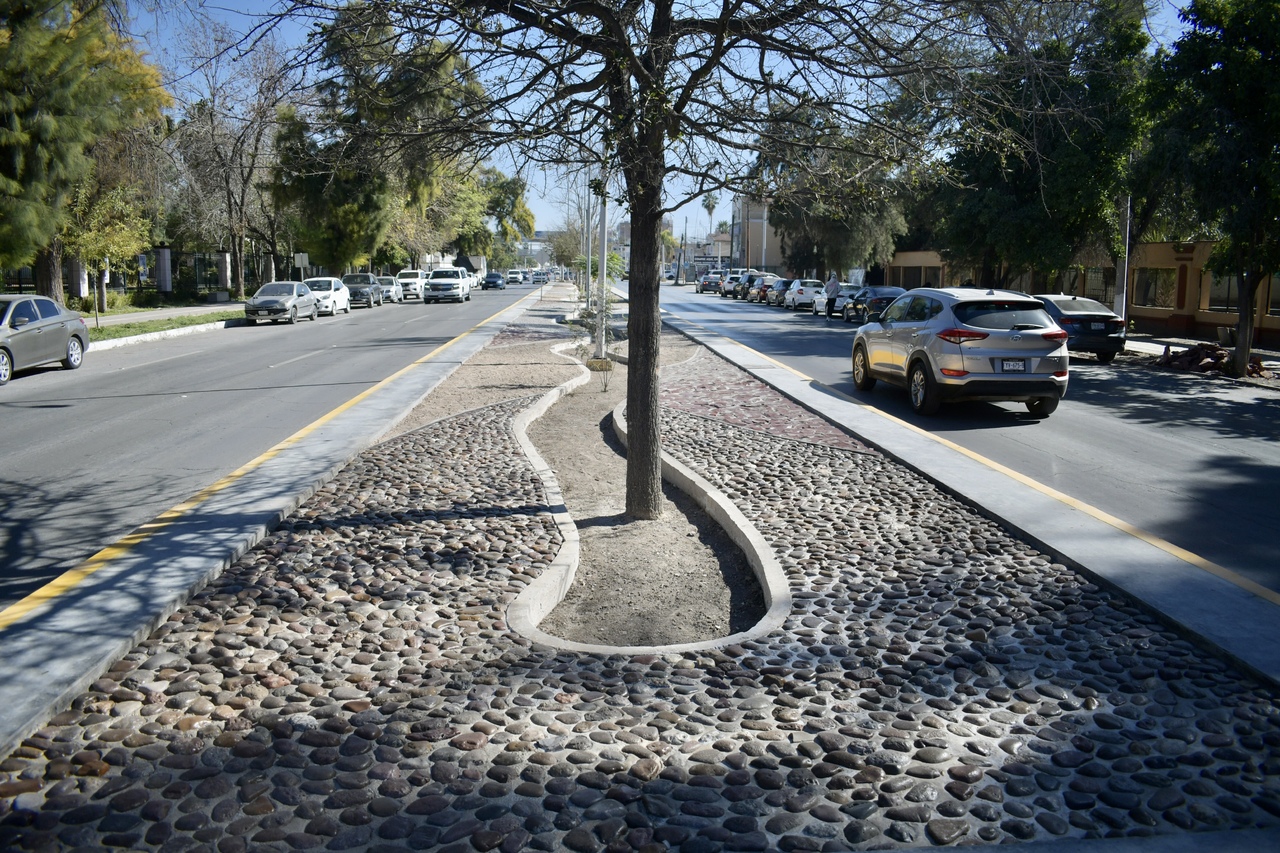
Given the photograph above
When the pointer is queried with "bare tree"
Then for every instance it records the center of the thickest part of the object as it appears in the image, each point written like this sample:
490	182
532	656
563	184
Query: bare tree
675	96
229	104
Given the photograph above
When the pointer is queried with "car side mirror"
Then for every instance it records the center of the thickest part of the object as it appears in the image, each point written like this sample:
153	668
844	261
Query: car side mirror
19	322
874	317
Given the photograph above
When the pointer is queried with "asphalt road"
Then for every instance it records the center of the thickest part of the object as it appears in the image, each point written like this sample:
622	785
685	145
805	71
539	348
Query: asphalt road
1194	462
88	455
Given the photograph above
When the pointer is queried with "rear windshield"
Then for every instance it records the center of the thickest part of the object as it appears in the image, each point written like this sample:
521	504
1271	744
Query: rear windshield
1081	306
1002	314
408	274
319	284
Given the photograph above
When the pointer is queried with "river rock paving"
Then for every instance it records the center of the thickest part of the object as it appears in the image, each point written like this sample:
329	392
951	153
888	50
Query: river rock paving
351	683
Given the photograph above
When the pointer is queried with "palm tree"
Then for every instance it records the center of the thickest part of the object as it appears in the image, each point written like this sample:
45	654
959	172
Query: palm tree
709	202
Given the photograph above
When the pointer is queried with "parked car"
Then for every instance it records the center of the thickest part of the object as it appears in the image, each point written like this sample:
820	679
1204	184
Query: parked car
953	343
776	291
281	300
801	292
869	300
496	280
729	284
331	295
35	330
365	289
843	295
392	290
1090	325
710	282
448	283
412	281
758	287
741	287
540	277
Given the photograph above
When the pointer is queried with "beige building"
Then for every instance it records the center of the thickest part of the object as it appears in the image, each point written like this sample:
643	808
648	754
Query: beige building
1169	290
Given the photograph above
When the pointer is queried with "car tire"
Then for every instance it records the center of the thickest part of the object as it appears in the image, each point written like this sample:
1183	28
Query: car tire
1042	407
922	390
814	309
6	367
75	353
315	313
848	317
862	378
347	309
1106	357
293	316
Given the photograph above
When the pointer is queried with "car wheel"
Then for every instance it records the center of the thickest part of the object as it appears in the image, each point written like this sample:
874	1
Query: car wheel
862	378
315	313
347	309
814	309
1042	407
293	316
1106	357
6	367
924	396
75	354
848	317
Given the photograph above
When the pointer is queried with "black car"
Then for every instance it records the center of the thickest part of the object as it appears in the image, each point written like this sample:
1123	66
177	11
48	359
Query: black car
496	280
1090	325
868	301
365	288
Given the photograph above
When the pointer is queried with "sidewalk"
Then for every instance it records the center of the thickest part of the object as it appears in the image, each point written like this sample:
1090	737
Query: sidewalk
354	681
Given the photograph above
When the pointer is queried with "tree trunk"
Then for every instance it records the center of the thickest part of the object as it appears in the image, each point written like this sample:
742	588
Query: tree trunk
644	326
48	271
1244	328
237	266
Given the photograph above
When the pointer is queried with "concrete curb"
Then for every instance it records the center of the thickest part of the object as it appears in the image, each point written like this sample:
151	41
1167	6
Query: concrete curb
113	343
542	595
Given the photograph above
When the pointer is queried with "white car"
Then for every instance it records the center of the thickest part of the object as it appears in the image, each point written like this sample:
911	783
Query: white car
451	283
392	289
412	282
332	295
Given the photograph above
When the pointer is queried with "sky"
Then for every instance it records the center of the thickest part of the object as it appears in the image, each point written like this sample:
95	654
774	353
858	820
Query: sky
157	30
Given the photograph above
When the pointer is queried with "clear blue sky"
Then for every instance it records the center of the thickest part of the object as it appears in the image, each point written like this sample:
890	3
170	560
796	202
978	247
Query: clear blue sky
158	29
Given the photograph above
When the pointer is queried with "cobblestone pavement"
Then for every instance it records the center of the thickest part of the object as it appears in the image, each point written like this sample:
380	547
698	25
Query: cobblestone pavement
352	684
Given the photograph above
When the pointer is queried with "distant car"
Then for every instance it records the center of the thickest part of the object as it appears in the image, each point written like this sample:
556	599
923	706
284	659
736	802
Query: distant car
452	283
392	290
956	343
365	289
869	300
776	291
1090	325
35	330
495	280
281	300
710	282
842	297
727	286
331	295
412	282
540	277
800	294
758	287
514	276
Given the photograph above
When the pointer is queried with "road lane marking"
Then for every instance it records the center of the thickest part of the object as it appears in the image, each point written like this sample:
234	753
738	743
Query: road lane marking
160	360
311	354
72	578
1265	593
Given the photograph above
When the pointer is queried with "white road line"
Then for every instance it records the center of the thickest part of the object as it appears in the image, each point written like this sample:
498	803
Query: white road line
161	360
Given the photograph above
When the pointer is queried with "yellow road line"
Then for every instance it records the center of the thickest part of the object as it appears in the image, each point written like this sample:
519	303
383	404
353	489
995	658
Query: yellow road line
72	578
1183	554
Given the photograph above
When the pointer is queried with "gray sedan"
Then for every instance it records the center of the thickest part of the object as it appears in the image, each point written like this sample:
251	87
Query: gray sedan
281	300
35	330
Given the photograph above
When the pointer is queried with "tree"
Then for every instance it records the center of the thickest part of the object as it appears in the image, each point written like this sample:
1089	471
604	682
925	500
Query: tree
1221	77
673	94
226	133
66	79
1073	120
709	202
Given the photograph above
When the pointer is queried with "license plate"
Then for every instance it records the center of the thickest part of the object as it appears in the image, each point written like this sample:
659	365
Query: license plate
1013	365
1098	327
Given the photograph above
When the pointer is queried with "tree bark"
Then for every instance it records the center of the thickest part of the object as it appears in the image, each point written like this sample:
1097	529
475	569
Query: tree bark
644	326
1249	282
48	271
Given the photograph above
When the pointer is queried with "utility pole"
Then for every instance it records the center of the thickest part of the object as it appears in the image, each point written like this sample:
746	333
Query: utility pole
604	249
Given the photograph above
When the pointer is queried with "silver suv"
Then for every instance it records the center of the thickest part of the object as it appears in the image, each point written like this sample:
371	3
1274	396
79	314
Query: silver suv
953	343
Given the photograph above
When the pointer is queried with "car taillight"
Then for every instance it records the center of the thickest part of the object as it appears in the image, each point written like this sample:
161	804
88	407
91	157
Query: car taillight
949	372
1060	373
959	336
1115	325
1067	322
1057	336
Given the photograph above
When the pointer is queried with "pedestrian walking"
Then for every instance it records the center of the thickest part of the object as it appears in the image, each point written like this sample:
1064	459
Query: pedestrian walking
832	290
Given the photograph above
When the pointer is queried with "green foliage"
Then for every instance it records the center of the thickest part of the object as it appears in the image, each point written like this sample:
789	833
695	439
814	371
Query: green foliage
1073	123
65	80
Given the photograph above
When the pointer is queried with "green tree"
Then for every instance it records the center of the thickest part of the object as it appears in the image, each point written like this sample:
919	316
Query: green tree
66	79
1222	78
1072	118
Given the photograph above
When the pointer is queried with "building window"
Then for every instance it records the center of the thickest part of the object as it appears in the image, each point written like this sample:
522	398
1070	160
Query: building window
1273	296
1155	288
1100	284
933	276
1224	292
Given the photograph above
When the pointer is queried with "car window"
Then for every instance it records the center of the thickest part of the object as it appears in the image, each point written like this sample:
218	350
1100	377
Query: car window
48	308
918	310
319	284
1081	306
897	310
1002	314
23	310
275	289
